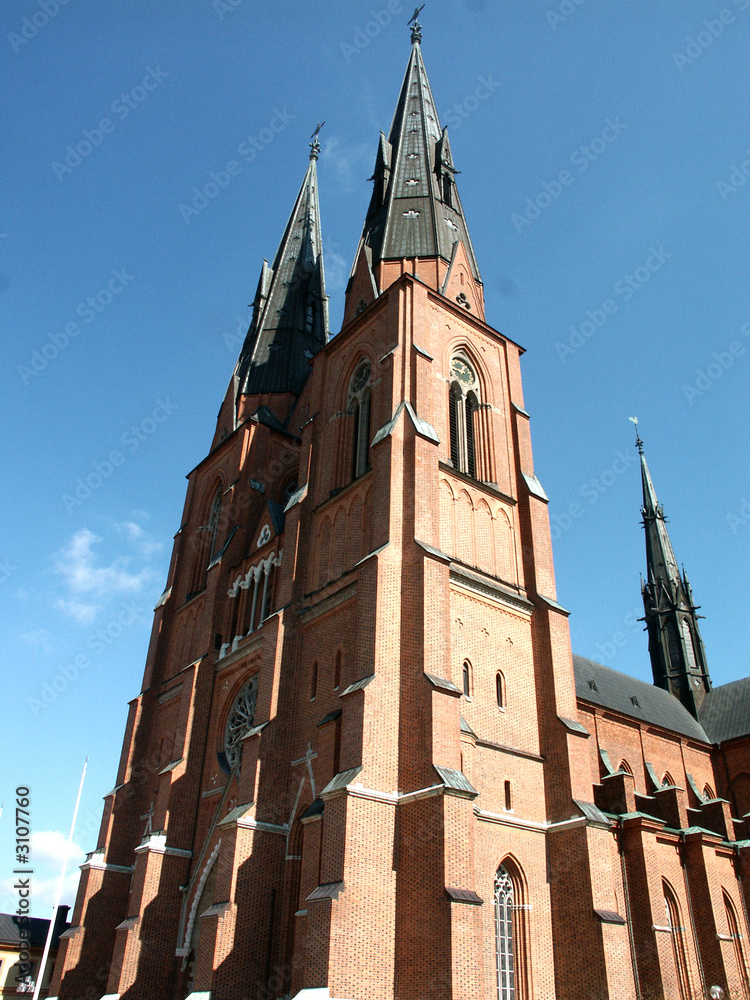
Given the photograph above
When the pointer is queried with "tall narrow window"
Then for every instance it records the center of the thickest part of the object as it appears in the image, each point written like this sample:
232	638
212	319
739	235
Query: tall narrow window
471	460
206	545
734	933
506	977
337	671
463	406
359	407
500	689
673	641
314	681
687	636
674	922
467	679
265	607
213	524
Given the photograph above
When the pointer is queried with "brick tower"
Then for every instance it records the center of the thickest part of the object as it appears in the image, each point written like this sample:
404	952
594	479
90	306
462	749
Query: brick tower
355	765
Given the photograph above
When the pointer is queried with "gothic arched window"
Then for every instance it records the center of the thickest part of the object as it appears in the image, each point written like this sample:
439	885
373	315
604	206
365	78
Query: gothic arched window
213	524
466	679
337	671
464	402
687	636
734	933
677	931
504	936
206	544
241	718
500	689
359	406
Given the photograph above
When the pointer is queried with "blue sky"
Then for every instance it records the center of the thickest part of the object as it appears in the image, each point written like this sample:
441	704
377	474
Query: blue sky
601	149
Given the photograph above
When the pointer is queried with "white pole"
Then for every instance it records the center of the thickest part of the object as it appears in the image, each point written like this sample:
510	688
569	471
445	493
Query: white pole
60	885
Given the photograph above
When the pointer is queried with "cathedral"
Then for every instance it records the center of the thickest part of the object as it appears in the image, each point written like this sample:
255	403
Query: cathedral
364	762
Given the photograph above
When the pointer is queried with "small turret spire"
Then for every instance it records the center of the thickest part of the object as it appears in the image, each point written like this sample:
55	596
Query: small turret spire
290	312
678	659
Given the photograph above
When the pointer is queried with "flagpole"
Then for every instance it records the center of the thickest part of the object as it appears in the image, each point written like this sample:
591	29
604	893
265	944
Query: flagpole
60	885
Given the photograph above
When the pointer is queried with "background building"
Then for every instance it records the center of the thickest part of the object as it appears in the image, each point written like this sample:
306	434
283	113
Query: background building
13	937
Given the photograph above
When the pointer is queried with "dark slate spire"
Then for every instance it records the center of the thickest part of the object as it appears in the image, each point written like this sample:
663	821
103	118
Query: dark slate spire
678	659
415	210
290	311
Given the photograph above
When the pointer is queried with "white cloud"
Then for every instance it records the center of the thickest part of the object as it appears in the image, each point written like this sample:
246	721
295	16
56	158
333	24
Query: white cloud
88	583
140	539
50	848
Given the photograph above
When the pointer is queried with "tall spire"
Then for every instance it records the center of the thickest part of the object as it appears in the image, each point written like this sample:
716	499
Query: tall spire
678	659
290	312
415	210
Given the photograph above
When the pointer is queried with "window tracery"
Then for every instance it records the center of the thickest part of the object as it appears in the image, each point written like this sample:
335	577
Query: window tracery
504	937
240	720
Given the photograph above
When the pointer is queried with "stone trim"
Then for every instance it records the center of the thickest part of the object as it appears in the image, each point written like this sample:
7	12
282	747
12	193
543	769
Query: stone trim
157	843
329	890
488	588
328	603
171	693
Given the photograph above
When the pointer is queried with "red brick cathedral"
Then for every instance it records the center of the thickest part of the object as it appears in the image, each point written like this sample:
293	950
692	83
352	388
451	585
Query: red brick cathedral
364	763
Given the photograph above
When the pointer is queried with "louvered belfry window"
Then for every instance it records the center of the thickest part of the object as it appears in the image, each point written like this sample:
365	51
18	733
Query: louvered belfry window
359	408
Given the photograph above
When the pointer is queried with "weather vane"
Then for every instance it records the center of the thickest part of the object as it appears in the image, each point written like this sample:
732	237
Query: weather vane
315	145
638	442
416	27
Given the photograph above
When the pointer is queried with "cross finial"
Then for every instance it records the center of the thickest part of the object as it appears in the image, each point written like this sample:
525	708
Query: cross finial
149	816
638	442
416	27
315	144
